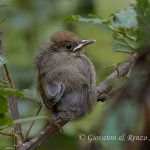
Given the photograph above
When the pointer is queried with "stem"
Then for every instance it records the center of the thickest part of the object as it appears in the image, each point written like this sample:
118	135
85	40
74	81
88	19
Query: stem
129	43
117	69
12	99
128	36
25	120
4	85
104	90
42	136
9	77
4	81
6	133
3	74
112	28
26	135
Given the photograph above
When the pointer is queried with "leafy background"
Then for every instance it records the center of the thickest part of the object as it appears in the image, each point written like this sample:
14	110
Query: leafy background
27	23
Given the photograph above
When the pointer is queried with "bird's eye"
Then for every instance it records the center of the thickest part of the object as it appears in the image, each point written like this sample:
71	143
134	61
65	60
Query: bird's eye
68	46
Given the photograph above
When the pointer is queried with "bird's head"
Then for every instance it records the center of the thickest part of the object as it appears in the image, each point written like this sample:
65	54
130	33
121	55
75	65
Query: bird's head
65	41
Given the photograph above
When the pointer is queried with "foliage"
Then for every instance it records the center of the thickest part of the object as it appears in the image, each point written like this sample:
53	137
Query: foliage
31	95
4	118
143	17
123	27
129	31
8	91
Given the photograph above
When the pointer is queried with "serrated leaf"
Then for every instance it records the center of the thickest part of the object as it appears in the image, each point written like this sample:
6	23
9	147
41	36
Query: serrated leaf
3	105
123	28
3	60
78	18
8	91
142	9
125	18
4	119
71	18
120	45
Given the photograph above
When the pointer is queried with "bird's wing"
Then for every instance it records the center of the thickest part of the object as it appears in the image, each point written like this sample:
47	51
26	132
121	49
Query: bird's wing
54	92
73	103
76	101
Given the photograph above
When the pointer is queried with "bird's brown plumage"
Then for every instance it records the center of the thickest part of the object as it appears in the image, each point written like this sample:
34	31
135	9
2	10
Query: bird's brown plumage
66	80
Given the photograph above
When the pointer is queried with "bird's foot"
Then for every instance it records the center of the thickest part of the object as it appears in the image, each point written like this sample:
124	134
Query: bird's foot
54	122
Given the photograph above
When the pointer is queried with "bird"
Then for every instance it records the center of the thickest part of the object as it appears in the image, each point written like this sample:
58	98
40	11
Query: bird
66	78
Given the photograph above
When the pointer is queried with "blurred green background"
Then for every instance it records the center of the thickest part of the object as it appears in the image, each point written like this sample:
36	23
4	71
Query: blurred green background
29	22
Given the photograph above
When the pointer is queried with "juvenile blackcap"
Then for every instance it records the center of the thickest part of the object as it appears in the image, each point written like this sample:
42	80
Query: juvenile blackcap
66	77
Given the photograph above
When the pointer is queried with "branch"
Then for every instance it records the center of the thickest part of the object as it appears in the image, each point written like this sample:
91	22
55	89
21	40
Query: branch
26	135
42	136
104	91
12	99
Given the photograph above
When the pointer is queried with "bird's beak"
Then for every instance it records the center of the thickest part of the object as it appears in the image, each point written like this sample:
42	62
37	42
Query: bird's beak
82	44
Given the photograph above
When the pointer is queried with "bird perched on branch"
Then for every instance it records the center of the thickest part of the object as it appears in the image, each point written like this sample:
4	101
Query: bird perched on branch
66	77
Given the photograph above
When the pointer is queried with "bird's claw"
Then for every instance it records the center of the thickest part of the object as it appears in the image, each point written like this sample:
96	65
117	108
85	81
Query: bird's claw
54	122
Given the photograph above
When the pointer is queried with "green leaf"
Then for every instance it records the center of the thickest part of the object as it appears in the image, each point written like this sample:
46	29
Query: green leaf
142	9
95	16
3	105
129	27
78	18
4	119
125	18
8	91
31	95
71	18
3	60
123	28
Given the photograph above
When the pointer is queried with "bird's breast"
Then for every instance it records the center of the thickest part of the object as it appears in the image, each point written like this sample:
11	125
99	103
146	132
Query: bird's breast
72	71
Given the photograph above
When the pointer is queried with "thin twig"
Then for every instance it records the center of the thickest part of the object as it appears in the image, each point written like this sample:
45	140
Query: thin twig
7	133
42	136
9	77
3	74
4	81
104	90
12	99
26	135
25	120
4	85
